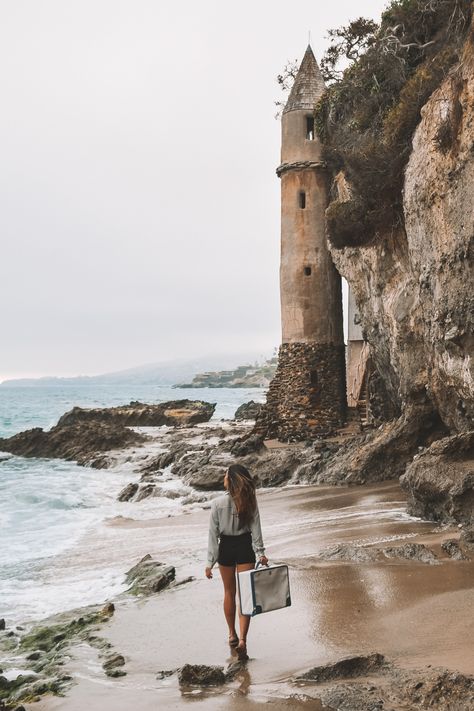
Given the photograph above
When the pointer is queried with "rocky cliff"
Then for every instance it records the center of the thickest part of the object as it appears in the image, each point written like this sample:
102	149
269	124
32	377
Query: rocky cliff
414	284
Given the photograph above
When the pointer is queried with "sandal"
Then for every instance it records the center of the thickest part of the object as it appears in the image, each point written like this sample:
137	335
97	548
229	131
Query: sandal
241	650
233	640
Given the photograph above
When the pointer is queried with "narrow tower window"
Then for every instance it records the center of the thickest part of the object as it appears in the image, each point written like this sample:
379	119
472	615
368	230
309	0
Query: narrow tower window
302	199
310	128
307	271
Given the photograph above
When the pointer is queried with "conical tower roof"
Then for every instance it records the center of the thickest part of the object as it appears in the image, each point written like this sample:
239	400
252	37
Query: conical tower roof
309	84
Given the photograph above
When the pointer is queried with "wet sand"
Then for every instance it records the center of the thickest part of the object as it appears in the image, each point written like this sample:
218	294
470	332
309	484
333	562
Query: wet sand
414	613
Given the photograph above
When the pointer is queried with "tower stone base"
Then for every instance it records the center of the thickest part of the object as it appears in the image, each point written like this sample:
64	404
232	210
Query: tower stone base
307	397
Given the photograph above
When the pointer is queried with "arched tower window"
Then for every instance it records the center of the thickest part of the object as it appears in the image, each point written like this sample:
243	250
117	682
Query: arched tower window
310	128
302	199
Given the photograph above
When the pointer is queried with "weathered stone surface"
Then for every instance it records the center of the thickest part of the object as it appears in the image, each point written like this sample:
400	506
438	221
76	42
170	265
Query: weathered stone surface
307	396
248	411
411	551
80	442
247	445
444	691
440	480
345	668
413	286
369	554
201	675
149	576
453	549
145	492
165	459
128	492
377	455
205	471
116	660
138	414
347	552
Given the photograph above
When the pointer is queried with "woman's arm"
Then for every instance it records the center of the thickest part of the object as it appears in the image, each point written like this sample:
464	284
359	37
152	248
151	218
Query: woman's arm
213	540
257	538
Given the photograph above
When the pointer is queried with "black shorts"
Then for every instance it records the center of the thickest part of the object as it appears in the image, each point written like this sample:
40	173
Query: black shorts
236	549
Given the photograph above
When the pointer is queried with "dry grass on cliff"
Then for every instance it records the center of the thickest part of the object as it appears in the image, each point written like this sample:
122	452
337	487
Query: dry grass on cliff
367	118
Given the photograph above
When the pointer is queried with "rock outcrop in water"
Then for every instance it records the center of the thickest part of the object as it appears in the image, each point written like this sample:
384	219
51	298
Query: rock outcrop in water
81	442
138	414
85	436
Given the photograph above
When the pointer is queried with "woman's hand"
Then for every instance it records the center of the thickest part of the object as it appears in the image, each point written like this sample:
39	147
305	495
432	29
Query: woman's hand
263	560
208	573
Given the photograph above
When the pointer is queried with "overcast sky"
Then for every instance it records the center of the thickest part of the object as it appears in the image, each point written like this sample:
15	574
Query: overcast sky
139	206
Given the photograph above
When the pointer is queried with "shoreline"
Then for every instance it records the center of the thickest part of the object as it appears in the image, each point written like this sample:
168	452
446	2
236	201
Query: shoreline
340	607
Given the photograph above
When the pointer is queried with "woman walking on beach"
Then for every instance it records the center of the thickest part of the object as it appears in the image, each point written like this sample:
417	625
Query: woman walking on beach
235	541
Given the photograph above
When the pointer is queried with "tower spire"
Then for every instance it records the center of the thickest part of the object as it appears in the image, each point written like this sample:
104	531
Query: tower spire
309	84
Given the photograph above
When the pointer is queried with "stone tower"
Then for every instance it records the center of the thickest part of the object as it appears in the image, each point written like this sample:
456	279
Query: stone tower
307	397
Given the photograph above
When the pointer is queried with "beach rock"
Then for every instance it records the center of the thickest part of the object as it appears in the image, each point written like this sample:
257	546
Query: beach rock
145	492
205	470
2	623
247	445
466	539
128	492
116	660
149	576
411	551
165	459
440	480
347	668
248	411
353	697
138	414
349	552
445	690
376	455
76	442
453	549
201	675
34	656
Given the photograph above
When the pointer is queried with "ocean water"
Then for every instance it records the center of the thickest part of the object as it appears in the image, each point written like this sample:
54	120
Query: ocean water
48	506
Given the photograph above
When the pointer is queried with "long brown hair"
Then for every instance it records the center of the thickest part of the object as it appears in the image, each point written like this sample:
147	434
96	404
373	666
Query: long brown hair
242	489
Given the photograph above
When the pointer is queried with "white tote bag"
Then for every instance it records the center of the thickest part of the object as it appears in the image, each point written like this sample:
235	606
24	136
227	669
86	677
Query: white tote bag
264	589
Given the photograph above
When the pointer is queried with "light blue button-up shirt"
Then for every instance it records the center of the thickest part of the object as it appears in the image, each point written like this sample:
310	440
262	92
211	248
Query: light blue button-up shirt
225	519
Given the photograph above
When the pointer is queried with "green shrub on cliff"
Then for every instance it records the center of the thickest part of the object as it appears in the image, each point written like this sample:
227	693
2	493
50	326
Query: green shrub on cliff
367	117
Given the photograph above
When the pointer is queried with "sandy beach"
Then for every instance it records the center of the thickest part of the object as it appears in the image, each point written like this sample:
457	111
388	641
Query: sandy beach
414	613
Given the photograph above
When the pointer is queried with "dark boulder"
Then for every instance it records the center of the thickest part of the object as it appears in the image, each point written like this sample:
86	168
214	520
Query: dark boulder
145	492
201	675
148	576
128	492
247	445
453	549
248	411
440	480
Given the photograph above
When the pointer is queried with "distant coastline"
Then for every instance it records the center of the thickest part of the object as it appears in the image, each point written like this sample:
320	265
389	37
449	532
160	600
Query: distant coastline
245	376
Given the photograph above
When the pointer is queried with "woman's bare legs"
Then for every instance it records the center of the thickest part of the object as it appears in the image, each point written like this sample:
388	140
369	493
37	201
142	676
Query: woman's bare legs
244	620
228	578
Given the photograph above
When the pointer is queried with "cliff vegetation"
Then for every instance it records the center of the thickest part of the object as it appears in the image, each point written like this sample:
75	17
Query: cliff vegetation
368	115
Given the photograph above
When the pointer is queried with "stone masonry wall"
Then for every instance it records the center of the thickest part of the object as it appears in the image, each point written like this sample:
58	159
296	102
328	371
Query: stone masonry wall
307	396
